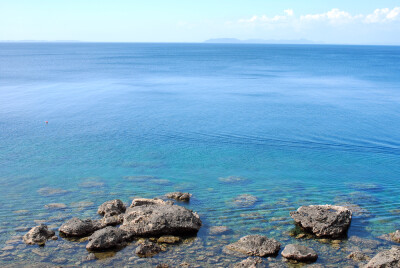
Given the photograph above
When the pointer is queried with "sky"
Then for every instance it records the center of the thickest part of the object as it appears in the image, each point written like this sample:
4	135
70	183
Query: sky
321	21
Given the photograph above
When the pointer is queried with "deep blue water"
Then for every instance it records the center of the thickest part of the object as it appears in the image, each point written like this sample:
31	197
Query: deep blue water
303	124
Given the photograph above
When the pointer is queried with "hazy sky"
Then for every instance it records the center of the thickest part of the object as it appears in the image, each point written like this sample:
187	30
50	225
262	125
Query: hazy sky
327	21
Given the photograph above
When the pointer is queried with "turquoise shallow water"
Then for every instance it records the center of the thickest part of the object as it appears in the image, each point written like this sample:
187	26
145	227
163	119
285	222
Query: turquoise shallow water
302	124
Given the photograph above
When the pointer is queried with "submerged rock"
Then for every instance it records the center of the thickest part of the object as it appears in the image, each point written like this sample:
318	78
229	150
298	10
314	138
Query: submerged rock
78	227
147	249
55	206
48	191
358	256
323	220
149	201
111	208
216	230
250	262
395	237
154	220
108	237
256	245
386	259
299	253
245	200
233	179
38	235
169	239
185	197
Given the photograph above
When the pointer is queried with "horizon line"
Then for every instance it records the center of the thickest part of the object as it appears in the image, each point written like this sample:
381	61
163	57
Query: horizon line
198	42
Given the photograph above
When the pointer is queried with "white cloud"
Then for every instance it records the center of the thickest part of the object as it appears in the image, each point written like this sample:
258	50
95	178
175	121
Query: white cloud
334	16
383	15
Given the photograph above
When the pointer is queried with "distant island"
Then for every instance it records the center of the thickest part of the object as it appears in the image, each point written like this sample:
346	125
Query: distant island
256	41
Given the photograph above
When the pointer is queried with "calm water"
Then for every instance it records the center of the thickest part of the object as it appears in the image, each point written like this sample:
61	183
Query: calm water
302	124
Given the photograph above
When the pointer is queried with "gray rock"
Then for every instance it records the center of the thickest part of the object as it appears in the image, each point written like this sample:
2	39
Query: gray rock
108	237
111	208
299	253
358	256
250	262
185	197
112	220
154	220
255	245
147	249
386	259
38	235
148	201
78	227
323	220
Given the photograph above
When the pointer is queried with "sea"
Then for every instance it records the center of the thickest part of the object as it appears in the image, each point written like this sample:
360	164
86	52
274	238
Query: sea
252	131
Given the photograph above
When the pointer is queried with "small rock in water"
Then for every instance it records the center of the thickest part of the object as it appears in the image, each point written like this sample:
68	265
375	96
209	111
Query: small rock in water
56	206
323	220
250	262
185	197
169	239
147	249
358	256
78	227
216	230
245	200
386	259
111	208
38	235
109	237
299	253
256	245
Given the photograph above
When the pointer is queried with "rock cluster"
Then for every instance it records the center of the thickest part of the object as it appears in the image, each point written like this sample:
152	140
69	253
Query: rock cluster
144	218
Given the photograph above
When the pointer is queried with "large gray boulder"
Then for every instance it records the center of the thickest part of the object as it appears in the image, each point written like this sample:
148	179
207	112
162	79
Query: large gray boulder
111	208
38	235
255	245
156	219
147	249
386	259
108	237
78	227
323	220
299	253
